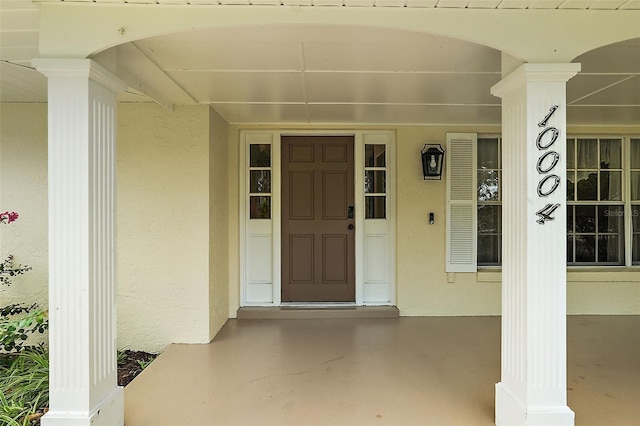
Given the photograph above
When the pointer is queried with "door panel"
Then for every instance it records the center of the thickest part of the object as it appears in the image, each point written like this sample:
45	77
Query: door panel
302	259
301	195
318	248
334	195
334	253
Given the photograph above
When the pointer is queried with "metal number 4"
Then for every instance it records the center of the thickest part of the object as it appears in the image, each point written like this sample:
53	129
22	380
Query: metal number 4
546	212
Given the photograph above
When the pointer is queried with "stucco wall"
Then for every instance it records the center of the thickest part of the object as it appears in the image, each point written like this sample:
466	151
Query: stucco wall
234	221
23	188
218	222
422	285
163	223
178	251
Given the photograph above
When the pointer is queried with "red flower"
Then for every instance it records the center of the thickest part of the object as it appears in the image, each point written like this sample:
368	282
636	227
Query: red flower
8	217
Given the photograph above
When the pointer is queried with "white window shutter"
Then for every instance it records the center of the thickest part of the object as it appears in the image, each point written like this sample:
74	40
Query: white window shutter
461	202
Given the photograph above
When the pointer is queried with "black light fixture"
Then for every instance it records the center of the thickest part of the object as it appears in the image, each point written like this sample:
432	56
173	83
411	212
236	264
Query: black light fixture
432	161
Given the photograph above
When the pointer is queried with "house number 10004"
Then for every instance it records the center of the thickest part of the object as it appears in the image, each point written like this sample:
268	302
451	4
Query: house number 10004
545	165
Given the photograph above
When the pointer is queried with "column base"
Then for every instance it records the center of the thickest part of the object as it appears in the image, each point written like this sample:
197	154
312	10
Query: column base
511	412
108	412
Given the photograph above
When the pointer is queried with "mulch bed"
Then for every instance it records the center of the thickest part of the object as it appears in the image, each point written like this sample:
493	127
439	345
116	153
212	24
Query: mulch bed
132	364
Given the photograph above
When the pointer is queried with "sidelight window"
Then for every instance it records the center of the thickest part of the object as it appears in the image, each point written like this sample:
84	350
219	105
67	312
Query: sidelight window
260	181
375	181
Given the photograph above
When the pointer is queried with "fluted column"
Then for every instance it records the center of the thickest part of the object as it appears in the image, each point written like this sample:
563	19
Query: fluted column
532	390
83	387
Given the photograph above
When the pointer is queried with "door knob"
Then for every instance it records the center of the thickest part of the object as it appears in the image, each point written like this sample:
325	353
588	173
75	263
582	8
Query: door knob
351	227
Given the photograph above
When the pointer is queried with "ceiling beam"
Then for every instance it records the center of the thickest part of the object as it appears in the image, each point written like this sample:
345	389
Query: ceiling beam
145	76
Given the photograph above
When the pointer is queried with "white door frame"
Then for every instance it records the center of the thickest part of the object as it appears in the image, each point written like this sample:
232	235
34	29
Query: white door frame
260	239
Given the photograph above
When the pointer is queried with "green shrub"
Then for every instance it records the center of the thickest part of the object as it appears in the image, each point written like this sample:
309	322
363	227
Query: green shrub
24	386
17	321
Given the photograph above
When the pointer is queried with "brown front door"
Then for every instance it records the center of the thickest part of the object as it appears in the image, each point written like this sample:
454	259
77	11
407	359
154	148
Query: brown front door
318	244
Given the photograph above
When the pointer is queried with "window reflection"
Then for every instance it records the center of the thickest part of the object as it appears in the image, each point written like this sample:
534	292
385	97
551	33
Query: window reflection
375	207
488	185
635	223
585	248
489	210
260	181
594	174
374	155
488	153
587	186
260	155
260	207
610	186
375	182
635	154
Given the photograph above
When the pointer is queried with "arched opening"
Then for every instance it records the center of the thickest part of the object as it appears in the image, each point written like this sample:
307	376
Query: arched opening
318	74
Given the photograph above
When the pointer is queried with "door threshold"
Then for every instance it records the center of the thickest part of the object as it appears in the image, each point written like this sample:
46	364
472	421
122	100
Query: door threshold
318	305
323	311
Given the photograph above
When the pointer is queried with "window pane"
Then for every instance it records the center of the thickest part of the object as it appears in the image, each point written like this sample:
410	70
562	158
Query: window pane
611	186
571	186
635	186
587	153
488	249
260	181
570	248
609	249
375	207
260	207
260	155
488	154
571	154
585	248
569	218
610	153
488	185
635	153
610	219
587	187
489	220
585	219
635	218
375	181
374	155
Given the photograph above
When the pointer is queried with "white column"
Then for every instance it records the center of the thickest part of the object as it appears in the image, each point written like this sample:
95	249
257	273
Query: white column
532	390
83	387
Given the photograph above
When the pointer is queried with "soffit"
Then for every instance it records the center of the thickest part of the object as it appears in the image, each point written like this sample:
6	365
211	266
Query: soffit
333	74
326	74
453	4
19	30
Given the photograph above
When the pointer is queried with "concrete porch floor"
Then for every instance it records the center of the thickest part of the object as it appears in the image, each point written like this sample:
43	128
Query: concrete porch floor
403	371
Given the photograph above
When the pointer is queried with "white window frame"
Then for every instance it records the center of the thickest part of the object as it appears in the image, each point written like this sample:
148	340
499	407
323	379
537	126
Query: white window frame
495	203
625	202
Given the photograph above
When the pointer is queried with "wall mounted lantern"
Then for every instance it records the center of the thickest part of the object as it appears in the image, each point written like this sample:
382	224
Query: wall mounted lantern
432	161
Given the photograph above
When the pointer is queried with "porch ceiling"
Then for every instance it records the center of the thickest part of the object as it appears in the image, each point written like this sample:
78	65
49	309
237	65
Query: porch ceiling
332	74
